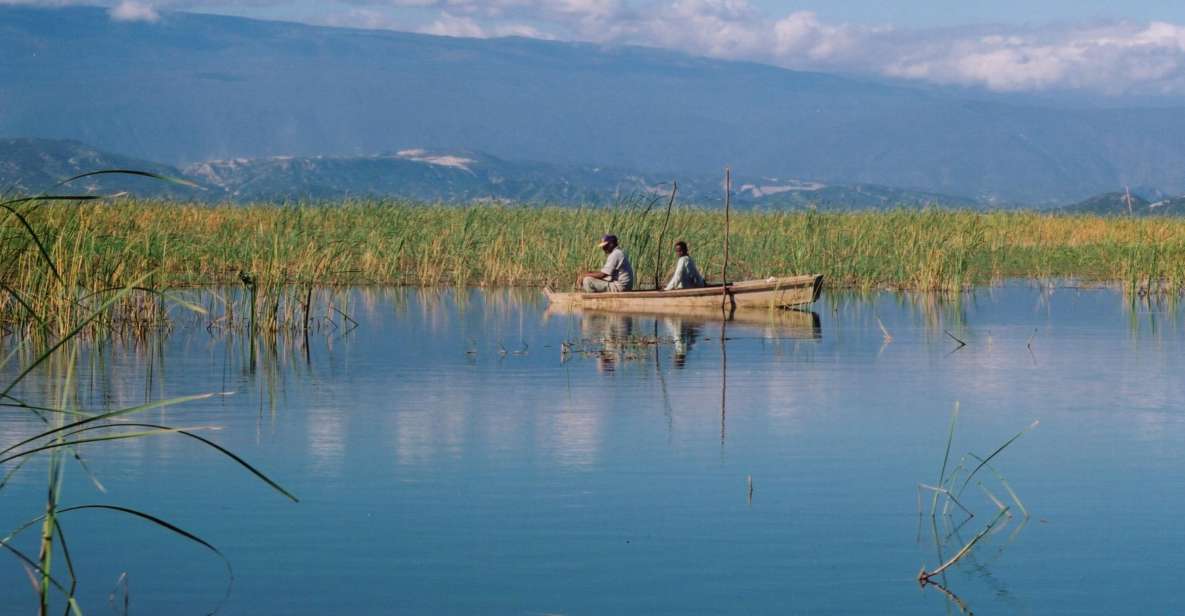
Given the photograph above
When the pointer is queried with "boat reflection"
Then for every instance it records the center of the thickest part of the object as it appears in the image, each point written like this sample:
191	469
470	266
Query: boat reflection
615	337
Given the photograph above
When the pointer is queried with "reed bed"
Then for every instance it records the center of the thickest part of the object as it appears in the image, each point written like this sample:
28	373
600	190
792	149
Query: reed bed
280	251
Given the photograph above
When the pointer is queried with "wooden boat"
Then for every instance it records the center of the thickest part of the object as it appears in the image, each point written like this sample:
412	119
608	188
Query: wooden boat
770	293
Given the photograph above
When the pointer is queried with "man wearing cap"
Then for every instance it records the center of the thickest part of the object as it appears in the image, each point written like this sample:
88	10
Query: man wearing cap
616	275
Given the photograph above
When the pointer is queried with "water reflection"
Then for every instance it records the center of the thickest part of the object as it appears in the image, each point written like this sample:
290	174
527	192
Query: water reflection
612	337
684	333
467	444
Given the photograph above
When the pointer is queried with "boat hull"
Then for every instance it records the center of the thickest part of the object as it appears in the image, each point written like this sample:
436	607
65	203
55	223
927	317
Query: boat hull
770	293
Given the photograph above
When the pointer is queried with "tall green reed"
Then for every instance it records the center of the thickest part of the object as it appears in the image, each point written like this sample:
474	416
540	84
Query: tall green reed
99	246
45	271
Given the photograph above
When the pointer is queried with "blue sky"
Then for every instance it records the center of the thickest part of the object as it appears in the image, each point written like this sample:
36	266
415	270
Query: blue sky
1136	48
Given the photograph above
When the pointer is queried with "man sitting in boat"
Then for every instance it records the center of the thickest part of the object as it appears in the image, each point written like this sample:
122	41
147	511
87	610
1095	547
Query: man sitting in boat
616	275
686	274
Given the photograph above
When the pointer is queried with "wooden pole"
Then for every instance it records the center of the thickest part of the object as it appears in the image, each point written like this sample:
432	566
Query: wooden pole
662	234
308	305
727	208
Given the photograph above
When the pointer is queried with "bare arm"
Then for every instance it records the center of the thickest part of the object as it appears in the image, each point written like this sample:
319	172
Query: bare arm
600	275
606	272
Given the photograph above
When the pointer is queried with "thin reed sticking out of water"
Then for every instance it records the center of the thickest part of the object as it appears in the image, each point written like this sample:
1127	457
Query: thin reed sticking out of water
946	490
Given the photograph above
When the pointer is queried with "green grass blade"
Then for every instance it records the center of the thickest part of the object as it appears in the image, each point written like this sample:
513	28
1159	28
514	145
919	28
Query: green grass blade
146	174
24	304
12	471
171	528
224	451
154	430
58	444
36	240
996	453
44	409
69	563
950	437
52	198
109	415
32	564
1008	488
66	338
967	548
946	493
188	305
999	505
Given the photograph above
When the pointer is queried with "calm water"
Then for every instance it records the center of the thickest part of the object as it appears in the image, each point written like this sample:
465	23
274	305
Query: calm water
454	456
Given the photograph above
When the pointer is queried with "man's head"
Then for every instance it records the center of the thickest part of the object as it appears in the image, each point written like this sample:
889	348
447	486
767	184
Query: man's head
681	248
608	243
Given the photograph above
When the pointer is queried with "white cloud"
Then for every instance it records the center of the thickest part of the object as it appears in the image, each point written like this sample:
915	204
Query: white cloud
1116	57
1112	57
444	24
464	26
451	25
129	10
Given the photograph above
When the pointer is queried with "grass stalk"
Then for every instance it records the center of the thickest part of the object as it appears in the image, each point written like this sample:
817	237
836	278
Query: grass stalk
983	461
924	576
950	437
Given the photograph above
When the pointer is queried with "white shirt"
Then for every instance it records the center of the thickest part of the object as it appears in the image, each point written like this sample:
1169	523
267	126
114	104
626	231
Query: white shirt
686	275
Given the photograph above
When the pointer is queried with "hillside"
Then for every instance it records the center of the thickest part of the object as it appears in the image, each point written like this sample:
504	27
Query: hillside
35	165
193	88
463	176
1117	204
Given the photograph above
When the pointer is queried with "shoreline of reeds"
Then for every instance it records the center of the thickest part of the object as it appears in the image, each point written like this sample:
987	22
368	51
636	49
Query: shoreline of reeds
106	245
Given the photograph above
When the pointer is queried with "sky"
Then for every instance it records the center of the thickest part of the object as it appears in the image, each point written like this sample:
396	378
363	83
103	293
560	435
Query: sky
1109	49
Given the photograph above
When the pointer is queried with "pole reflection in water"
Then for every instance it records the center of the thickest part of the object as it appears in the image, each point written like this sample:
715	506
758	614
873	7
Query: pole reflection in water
723	378
616	338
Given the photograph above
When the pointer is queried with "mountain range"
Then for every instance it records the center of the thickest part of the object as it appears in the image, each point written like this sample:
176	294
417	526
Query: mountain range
1127	204
31	166
190	88
37	166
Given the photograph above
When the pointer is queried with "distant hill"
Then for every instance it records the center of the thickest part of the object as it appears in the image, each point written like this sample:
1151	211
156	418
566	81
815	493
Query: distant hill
463	176
1116	204
457	176
192	87
34	165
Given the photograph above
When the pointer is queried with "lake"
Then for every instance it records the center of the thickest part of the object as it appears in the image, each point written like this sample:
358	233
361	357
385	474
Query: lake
468	452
